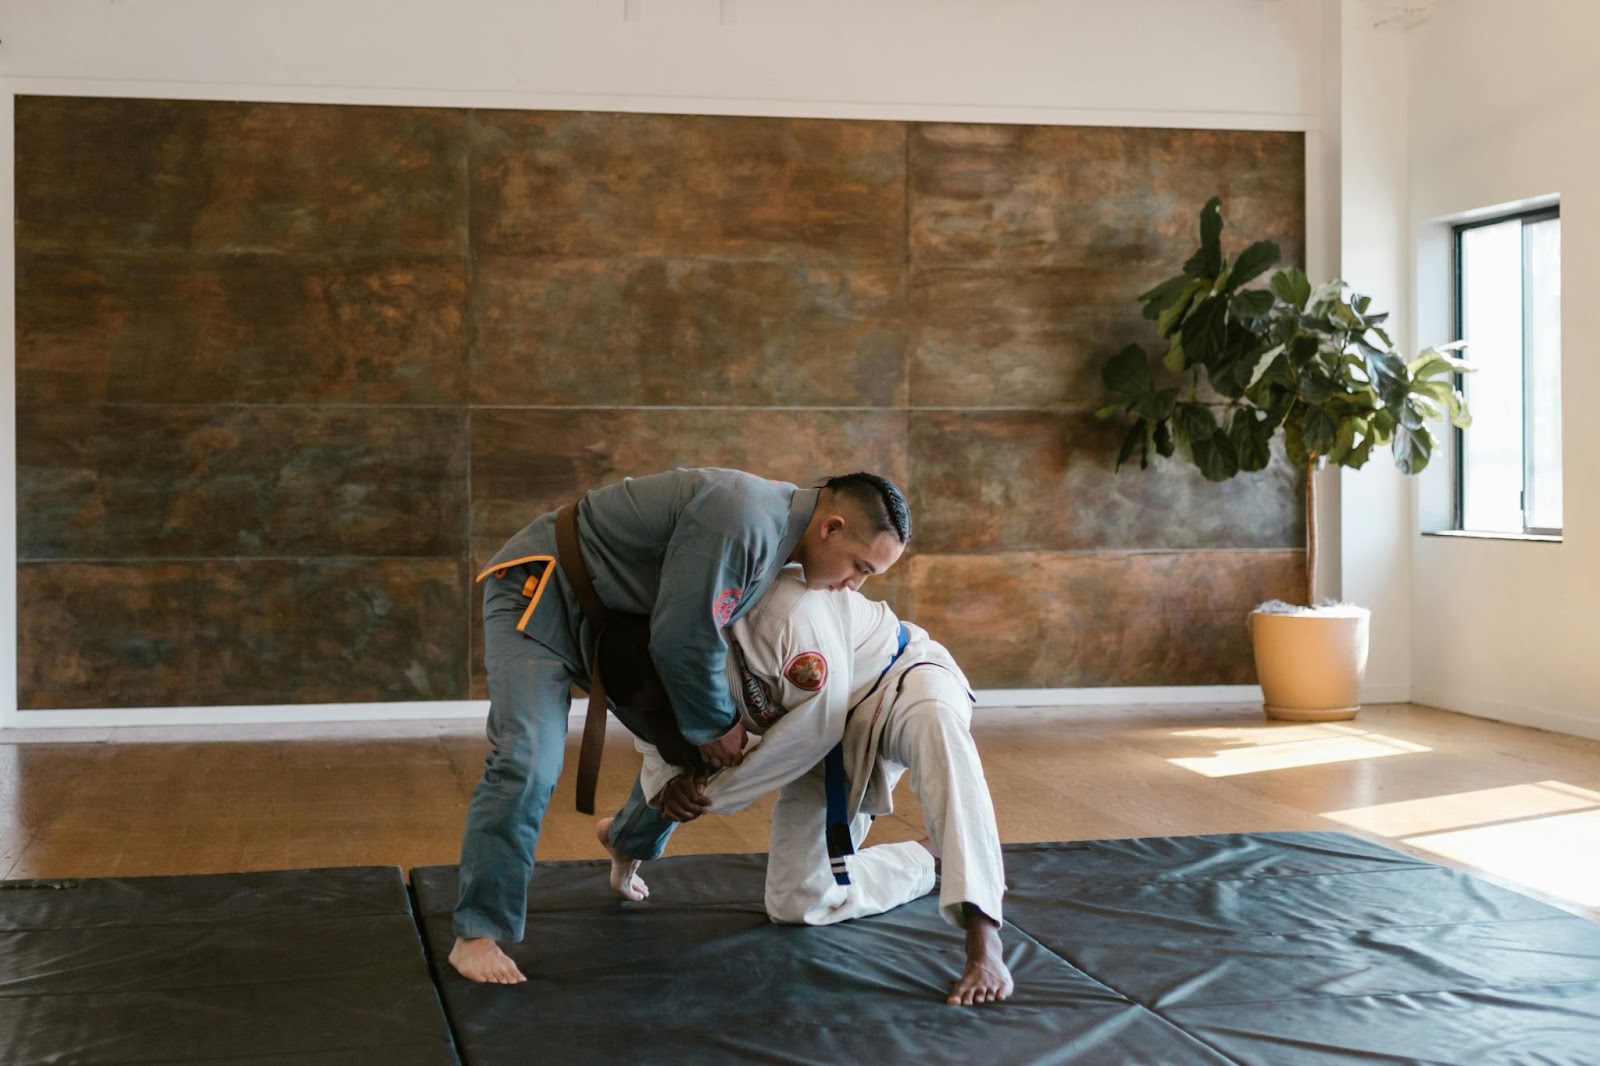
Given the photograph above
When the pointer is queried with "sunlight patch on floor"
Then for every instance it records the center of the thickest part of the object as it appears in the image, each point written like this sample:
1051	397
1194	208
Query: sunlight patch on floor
1545	835
1311	746
1558	854
1461	810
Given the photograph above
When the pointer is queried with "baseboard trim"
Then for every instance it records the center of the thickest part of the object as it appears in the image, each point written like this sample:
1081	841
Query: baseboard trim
1515	713
267	714
1100	697
309	713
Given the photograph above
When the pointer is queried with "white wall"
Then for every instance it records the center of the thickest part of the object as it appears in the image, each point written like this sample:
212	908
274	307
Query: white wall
1504	106
1375	508
1227	64
1224	63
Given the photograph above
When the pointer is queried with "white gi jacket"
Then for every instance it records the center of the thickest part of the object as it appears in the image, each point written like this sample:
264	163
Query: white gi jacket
818	658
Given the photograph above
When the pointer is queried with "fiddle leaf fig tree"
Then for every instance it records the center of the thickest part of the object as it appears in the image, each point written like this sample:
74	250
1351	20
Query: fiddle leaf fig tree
1245	363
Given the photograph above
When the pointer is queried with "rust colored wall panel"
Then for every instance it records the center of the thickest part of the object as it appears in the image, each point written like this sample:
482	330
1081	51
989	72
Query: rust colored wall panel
156	482
623	332
1116	200
204	176
347	351
1041	620
1008	481
1020	338
527	462
221	632
175	328
587	184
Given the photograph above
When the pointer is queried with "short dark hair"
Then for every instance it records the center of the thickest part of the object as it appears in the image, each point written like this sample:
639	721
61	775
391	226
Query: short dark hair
879	499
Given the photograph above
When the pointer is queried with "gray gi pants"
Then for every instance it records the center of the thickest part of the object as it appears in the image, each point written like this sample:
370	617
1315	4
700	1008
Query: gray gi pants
530	677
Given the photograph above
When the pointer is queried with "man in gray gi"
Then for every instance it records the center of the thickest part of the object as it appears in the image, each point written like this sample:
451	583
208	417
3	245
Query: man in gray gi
692	549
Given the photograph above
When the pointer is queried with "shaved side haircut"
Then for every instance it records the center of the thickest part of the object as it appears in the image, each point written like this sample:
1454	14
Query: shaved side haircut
879	499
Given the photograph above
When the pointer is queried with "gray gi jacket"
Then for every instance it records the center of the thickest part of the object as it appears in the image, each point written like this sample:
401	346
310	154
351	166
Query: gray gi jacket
693	549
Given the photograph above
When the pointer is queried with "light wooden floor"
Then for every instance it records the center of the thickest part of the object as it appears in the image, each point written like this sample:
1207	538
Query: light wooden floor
1519	804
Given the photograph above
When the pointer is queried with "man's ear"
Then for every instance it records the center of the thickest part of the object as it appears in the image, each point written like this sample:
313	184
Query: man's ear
831	525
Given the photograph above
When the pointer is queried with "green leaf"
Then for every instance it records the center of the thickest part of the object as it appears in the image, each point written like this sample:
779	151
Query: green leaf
1252	439
1390	378
1194	422
1345	442
1294	442
1457	405
1315	386
1360	453
1412	449
1135	441
1215	457
1168	321
1110	410
1319	430
1302	352
1156	404
1254	261
1279	373
1433	363
1175	360
1264	362
1164	295
1252	303
1207	262
1290	286
1206	330
1327	295
1127	374
1164	439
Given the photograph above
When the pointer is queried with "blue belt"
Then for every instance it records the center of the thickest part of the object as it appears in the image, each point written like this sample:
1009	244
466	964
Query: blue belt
837	786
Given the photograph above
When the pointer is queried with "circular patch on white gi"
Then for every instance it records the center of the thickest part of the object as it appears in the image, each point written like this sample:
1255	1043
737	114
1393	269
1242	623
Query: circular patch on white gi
808	670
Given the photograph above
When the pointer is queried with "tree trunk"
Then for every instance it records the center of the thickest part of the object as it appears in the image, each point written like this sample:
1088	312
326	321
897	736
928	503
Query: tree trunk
1311	531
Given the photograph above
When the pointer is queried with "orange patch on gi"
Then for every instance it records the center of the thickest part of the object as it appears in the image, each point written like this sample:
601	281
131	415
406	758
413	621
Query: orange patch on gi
808	670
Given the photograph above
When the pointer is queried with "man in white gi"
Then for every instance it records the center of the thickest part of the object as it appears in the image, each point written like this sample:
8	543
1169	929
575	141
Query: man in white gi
811	669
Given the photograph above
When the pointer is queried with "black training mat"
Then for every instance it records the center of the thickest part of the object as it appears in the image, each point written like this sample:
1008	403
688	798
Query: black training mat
1275	949
296	966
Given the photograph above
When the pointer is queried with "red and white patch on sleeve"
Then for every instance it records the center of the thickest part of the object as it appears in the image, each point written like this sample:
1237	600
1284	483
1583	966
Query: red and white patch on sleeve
725	604
808	670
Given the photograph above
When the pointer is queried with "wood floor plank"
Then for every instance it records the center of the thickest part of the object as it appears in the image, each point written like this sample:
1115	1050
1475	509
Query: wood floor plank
1517	804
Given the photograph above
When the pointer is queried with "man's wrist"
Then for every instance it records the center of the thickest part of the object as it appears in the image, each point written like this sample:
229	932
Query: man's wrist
702	737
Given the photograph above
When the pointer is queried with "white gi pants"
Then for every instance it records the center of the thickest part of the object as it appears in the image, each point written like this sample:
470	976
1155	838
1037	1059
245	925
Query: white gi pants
926	730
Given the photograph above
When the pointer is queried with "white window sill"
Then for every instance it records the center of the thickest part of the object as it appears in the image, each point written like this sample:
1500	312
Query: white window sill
1470	534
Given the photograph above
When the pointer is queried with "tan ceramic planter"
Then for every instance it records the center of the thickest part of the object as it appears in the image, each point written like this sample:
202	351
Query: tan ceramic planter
1311	667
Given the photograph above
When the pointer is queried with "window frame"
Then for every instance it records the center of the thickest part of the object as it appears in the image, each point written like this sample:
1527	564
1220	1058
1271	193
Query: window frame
1458	316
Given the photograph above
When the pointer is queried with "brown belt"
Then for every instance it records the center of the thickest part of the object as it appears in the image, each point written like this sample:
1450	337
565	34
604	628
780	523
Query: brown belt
594	723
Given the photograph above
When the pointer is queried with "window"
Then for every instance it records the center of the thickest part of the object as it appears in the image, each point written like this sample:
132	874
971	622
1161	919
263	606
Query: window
1508	310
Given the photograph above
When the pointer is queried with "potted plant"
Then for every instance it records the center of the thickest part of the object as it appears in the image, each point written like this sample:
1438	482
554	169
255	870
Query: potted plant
1246	365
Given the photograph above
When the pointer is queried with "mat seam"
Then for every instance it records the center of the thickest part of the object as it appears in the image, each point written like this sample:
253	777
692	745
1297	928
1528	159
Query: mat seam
1048	950
1391	995
417	924
1559	916
1388	869
176	924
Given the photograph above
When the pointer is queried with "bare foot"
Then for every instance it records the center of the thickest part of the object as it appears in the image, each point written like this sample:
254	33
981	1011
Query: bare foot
625	879
480	959
986	979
